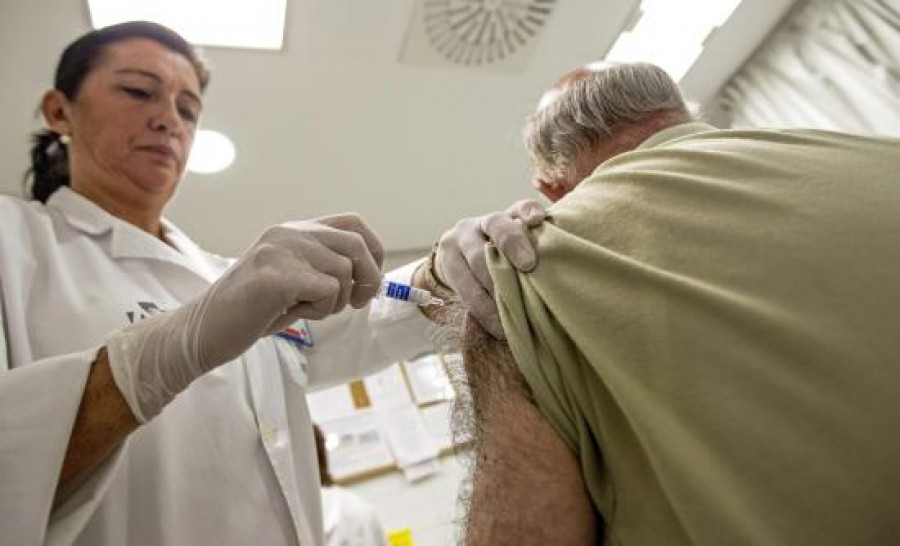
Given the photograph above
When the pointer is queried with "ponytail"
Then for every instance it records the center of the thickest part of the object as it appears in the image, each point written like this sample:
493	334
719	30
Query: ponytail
49	166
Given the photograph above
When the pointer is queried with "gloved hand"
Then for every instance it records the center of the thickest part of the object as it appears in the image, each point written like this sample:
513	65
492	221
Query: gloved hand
296	270
460	261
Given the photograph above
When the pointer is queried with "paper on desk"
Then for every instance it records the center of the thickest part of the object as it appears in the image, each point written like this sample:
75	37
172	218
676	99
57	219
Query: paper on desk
355	444
418	471
428	380
437	421
387	388
328	404
406	434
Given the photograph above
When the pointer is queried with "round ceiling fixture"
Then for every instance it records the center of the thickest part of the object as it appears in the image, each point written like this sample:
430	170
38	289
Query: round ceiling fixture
212	152
482	32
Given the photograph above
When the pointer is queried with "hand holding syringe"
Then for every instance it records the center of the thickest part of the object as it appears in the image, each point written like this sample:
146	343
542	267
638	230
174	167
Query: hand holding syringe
405	292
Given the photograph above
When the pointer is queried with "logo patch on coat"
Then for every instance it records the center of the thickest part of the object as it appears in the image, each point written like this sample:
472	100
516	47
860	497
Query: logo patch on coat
147	309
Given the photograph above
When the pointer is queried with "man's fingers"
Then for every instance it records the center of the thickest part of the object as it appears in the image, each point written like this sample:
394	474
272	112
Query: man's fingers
472	257
485	313
475	297
479	268
510	236
462	264
531	212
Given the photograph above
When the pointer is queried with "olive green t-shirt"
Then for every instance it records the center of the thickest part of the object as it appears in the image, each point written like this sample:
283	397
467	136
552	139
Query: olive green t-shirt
714	328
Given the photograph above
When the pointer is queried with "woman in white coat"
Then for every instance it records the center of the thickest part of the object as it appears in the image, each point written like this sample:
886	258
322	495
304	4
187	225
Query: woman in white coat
144	398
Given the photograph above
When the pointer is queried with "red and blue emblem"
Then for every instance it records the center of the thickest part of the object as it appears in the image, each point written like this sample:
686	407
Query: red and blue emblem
299	332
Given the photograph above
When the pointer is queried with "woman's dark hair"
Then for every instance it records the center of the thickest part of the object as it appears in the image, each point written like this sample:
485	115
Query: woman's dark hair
49	159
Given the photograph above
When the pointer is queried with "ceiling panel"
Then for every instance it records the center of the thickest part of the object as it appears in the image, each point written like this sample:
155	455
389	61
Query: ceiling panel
336	122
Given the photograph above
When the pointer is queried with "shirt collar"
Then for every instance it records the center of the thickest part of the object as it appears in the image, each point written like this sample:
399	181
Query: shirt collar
129	241
80	212
674	132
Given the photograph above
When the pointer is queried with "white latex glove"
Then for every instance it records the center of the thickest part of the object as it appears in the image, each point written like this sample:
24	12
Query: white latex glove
460	261
296	270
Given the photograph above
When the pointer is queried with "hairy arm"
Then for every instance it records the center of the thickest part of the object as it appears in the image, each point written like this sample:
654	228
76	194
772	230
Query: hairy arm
527	486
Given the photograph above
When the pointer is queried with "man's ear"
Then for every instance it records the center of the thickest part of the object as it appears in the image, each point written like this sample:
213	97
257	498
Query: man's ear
553	192
57	112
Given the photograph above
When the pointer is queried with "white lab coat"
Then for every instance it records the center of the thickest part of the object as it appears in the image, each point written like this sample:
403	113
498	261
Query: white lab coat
230	461
349	520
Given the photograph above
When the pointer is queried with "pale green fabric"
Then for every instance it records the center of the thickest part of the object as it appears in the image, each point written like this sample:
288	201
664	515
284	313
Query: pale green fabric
714	328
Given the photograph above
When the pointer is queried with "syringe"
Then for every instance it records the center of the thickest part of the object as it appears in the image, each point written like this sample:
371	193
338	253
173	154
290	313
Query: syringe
405	292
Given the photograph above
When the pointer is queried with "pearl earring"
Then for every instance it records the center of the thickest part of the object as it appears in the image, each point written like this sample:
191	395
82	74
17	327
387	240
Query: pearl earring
65	139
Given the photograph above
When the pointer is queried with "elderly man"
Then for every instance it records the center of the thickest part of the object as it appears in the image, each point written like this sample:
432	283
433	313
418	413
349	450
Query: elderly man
706	350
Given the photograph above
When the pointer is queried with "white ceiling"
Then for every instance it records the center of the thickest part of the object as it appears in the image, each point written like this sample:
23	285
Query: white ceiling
335	123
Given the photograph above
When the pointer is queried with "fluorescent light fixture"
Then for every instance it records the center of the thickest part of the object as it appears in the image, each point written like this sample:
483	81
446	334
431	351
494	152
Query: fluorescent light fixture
256	24
670	34
212	152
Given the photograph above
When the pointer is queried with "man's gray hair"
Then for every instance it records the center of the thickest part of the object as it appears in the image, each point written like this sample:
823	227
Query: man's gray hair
588	104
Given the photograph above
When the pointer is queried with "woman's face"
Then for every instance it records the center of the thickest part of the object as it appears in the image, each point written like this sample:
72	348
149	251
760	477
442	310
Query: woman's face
131	125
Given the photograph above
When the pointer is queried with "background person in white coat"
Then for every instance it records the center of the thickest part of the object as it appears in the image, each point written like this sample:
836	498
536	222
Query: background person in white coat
349	520
143	397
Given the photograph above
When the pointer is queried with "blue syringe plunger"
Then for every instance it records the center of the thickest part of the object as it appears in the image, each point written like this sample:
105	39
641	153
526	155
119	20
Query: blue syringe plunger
405	292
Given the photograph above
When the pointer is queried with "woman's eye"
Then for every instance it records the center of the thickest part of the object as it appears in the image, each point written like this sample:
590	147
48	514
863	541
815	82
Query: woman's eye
137	93
188	114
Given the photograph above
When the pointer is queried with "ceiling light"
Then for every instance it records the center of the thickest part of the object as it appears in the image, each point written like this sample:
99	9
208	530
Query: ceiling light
671	34
257	24
212	152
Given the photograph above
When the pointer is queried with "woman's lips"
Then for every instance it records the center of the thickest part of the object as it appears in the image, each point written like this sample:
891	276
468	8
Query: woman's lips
162	152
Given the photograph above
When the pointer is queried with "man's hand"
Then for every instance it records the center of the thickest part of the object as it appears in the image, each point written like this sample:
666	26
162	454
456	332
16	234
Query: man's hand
460	261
